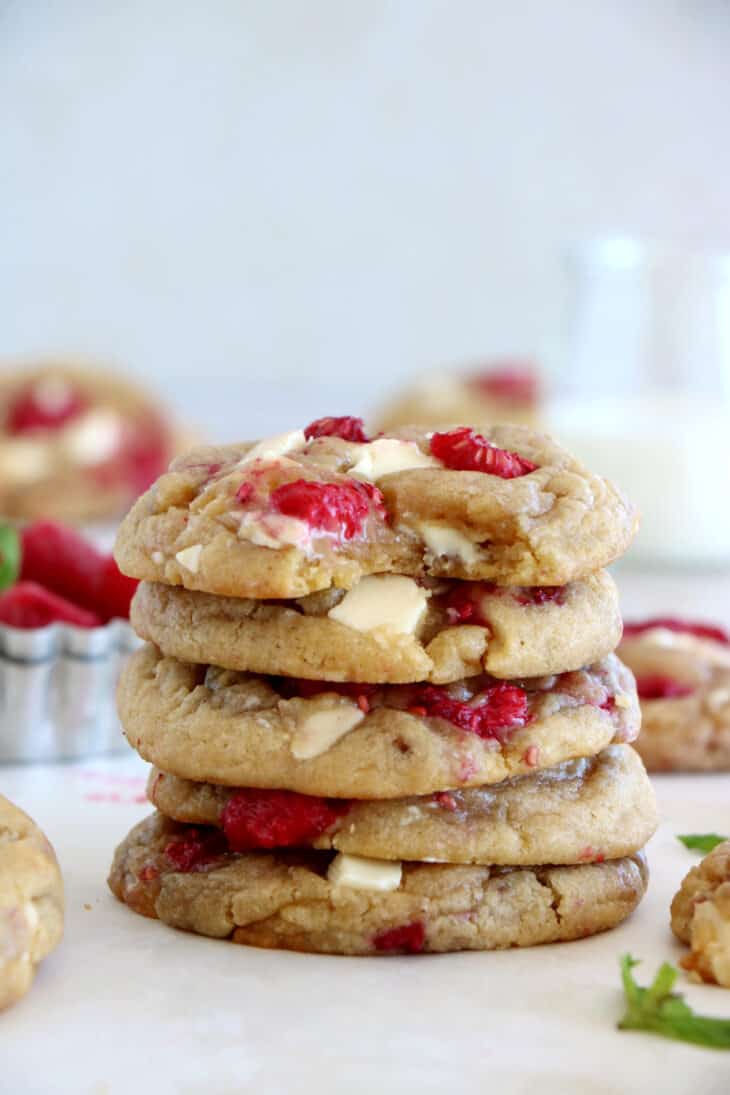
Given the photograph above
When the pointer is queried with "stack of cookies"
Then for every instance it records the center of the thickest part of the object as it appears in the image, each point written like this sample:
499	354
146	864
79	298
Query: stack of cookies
380	696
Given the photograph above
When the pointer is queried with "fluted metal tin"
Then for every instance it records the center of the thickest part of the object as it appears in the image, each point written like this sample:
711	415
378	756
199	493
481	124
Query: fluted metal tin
57	686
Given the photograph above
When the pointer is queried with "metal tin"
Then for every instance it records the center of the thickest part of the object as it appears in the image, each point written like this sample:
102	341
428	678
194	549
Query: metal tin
57	687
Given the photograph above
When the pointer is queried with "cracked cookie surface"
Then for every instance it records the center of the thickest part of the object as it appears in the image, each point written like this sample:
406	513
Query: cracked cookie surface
701	916
684	688
586	810
291	516
220	726
31	901
439	631
287	900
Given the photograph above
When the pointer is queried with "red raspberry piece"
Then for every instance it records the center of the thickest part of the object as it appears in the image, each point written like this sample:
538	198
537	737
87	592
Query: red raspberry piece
540	595
195	849
297	686
517	383
462	606
466	450
346	427
277	819
687	627
245	493
43	407
500	709
408	938
654	686
56	557
28	605
338	508
446	801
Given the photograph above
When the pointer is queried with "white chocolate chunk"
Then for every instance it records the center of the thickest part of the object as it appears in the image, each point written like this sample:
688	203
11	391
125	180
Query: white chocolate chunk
361	873
317	732
24	461
271	447
157	558
621	699
718	698
382	600
387	455
189	557
273	530
30	914
443	540
94	438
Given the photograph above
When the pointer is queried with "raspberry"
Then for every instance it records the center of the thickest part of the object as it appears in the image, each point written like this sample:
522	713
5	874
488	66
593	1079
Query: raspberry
277	819
28	605
297	686
686	627
466	450
446	801
516	383
409	938
462	606
540	595
195	849
346	427
244	493
57	558
654	686
44	406
338	508
500	709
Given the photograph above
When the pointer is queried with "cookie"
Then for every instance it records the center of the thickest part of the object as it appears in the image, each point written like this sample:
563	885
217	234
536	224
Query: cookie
77	443
502	392
31	901
683	678
389	629
701	916
585	810
349	905
294	515
363	741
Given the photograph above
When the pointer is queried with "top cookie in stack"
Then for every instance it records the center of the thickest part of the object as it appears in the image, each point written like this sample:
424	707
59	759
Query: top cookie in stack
341	624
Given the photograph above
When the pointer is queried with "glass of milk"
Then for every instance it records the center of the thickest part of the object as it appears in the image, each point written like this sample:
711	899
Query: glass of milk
642	390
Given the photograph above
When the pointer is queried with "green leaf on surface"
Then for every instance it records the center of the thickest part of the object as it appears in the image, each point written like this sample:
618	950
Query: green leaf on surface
658	1010
701	842
9	556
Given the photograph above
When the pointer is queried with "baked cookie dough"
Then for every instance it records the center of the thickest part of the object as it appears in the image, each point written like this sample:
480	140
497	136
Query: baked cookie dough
31	901
500	392
683	679
290	516
309	902
77	443
218	726
586	810
701	917
390	629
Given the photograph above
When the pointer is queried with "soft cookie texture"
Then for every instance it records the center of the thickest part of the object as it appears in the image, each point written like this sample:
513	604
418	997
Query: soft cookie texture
701	916
585	810
220	726
388	629
288	517
684	685
31	901
288	901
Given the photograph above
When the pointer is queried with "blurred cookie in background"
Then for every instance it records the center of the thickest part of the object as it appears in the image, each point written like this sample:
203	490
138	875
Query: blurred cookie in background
499	391
77	443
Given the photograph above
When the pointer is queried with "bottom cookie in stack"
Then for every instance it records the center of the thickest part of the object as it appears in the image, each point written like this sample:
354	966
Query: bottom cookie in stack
455	870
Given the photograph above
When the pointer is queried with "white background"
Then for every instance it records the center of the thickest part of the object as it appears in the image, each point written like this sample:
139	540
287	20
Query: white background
334	192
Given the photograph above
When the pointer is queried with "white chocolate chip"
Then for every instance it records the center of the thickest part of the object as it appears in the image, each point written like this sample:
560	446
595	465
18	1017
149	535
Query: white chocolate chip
93	438
443	540
30	914
317	732
382	600
361	873
718	698
273	530
157	558
189	557
271	447
388	455
621	699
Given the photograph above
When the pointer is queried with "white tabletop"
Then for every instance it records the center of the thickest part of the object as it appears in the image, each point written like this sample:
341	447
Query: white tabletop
127	1004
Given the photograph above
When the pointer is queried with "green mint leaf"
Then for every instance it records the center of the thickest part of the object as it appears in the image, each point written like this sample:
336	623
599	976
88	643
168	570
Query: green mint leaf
9	556
658	1010
701	842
